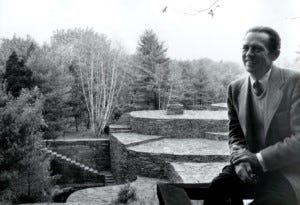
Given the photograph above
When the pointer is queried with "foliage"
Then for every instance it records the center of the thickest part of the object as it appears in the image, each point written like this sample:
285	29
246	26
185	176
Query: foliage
126	194
24	169
17	75
22	47
98	65
153	72
201	82
77	98
53	80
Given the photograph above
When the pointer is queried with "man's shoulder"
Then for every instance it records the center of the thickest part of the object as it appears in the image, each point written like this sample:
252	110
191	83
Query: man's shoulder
239	81
290	73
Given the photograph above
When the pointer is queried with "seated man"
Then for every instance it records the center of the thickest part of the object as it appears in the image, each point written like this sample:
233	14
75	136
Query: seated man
264	129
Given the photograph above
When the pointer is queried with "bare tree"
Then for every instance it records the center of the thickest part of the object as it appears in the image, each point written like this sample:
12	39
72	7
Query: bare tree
98	64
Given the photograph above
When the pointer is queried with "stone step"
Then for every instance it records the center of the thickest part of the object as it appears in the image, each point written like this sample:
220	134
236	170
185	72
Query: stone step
216	135
120	131
71	161
116	128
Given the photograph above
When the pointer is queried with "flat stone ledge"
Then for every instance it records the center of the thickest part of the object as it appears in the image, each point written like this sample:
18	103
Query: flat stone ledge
188	146
134	138
188	114
119	126
197	172
216	135
218	106
78	140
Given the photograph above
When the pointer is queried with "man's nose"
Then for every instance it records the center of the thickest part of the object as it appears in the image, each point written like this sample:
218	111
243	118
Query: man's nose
249	52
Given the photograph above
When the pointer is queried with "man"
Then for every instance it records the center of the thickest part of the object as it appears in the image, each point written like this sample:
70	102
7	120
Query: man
264	129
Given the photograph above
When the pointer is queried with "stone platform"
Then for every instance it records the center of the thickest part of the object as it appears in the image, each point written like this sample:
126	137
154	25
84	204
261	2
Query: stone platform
192	124
135	154
188	148
188	172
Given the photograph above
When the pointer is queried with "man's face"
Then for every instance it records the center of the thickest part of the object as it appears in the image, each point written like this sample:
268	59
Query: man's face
256	56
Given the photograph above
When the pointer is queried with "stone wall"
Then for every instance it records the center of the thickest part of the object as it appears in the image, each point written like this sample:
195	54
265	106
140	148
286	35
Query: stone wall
182	128
71	175
126	163
121	165
93	153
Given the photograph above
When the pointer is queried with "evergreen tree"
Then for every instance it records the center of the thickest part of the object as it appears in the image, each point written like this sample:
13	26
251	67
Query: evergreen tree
153	66
76	100
24	168
17	75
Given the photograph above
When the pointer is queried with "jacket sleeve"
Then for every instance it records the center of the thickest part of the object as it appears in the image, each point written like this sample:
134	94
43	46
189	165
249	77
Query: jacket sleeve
287	151
237	142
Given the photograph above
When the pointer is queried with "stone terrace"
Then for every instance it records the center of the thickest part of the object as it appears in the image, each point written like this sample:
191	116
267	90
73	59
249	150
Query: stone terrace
189	148
170	146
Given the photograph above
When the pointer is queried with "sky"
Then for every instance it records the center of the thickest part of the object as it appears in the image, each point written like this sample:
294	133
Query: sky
186	32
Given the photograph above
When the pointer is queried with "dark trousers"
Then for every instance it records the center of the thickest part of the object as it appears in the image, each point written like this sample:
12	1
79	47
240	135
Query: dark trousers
271	189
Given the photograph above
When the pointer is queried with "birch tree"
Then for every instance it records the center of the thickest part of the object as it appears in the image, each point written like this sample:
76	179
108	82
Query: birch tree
98	64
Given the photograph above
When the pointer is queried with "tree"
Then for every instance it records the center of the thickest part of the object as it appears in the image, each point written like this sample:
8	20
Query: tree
77	98
52	77
152	83
99	66
23	47
24	168
17	75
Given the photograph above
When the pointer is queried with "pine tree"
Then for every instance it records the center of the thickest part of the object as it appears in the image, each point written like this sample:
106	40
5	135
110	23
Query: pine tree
76	100
153	66
17	75
24	168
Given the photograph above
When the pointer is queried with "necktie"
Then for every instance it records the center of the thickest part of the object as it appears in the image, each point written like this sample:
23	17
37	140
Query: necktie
258	88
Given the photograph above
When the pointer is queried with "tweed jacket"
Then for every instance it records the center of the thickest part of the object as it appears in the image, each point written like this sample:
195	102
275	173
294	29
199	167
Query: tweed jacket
281	138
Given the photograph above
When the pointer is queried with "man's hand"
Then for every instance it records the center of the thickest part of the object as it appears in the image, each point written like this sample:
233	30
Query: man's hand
244	172
247	156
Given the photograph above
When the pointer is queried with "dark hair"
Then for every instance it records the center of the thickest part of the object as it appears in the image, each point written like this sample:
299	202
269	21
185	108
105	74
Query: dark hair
274	38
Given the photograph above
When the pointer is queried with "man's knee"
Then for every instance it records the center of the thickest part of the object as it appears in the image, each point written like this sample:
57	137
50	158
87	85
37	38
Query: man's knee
223	182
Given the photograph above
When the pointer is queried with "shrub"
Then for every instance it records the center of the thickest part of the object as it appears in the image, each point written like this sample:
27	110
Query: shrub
126	195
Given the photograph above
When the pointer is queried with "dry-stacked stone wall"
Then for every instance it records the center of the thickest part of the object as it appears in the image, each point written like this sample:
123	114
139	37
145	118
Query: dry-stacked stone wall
129	158
121	165
181	126
93	153
127	162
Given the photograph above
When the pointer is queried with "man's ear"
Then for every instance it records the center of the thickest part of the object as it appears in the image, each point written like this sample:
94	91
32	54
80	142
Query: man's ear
275	55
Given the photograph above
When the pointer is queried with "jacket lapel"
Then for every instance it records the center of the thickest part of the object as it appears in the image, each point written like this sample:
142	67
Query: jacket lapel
274	96
244	109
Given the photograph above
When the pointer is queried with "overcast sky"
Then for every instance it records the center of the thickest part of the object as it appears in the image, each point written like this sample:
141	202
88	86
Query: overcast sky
188	34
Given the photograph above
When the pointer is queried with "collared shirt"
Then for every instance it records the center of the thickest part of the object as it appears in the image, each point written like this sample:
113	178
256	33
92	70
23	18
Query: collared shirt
264	80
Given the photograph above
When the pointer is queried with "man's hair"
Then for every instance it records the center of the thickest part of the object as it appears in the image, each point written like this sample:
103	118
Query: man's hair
274	38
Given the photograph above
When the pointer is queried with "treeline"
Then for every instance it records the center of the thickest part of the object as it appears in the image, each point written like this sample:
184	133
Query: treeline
87	81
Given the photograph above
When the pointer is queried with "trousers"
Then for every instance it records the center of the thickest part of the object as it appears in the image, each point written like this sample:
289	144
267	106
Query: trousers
272	188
